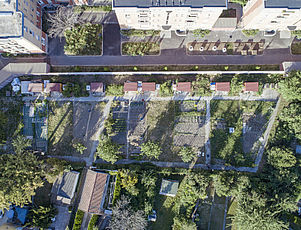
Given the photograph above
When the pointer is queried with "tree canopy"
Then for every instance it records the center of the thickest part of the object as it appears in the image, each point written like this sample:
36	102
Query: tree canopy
290	86
187	154
281	157
40	217
107	149
21	175
151	150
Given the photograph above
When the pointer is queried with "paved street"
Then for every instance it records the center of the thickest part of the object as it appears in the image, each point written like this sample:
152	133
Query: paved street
111	40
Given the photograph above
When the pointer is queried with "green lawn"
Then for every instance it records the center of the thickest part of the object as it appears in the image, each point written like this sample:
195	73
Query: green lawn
140	48
165	213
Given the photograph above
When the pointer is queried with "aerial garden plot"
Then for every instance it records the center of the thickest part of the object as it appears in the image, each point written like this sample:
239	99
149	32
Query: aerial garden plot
72	127
116	124
236	128
176	125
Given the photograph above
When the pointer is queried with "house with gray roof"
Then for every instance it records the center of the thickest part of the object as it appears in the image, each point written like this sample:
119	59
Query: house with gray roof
65	186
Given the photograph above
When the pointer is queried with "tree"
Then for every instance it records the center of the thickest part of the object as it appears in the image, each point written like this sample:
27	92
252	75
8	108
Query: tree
107	150
40	217
291	118
151	150
187	154
281	157
124	218
79	147
20	143
128	181
21	175
63	19
290	86
182	223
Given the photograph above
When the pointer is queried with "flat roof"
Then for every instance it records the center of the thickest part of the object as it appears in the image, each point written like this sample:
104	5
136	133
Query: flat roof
222	86
184	86
96	87
251	86
169	187
130	86
10	24
170	3
291	4
53	87
35	87
148	86
68	184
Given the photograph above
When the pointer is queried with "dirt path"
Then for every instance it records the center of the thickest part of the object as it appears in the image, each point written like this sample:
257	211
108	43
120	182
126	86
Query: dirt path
105	115
207	132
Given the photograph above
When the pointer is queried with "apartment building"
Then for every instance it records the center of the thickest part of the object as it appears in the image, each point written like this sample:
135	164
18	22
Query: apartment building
21	27
272	15
168	14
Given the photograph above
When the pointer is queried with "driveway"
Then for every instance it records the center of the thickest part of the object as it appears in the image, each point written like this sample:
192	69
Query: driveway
111	40
61	219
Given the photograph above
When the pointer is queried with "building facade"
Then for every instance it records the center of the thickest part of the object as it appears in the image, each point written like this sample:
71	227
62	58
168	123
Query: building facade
168	14
21	27
272	15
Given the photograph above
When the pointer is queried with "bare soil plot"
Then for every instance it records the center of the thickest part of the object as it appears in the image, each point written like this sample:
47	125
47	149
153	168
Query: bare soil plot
137	126
236	127
119	112
60	128
87	117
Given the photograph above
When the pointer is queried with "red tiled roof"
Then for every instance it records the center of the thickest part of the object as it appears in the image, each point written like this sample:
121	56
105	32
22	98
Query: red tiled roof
35	87
251	86
93	191
222	86
184	86
148	86
130	86
53	87
96	87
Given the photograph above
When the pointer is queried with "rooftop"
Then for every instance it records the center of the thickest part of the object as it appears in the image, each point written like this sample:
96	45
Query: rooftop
251	86
170	3
35	87
67	186
169	187
53	87
93	191
148	86
222	86
291	4
130	86
10	23
184	86
96	87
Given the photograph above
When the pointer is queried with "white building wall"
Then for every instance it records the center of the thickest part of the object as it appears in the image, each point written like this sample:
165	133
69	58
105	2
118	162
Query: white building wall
177	18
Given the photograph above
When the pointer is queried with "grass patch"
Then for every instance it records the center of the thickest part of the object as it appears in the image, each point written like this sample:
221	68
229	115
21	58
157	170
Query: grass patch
84	40
200	33
11	122
296	48
140	48
83	8
250	33
119	68
60	128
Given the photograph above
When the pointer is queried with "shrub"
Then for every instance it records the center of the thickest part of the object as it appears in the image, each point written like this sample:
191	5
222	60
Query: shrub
114	90
93	222
107	149
250	33
117	189
296	33
151	150
140	33
187	154
201	33
201	86
78	220
165	89
140	48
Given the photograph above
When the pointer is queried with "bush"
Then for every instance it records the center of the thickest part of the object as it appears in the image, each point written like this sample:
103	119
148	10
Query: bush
296	33
250	33
75	90
117	189
201	86
83	8
201	33
140	33
78	220
165	89
114	90
93	222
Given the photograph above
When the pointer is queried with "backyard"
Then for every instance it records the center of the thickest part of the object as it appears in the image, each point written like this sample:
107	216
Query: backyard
10	119
236	127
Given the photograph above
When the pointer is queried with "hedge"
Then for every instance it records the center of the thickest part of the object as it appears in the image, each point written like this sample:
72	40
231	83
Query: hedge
93	222
78	220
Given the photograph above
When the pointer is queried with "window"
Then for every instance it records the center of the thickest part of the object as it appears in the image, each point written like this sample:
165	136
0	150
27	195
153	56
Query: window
38	13
30	31
43	40
25	29
38	37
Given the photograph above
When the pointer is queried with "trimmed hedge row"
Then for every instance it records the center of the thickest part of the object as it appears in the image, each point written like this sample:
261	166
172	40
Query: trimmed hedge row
93	222
78	220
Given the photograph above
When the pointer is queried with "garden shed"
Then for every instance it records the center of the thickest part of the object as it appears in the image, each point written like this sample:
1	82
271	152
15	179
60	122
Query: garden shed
169	187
